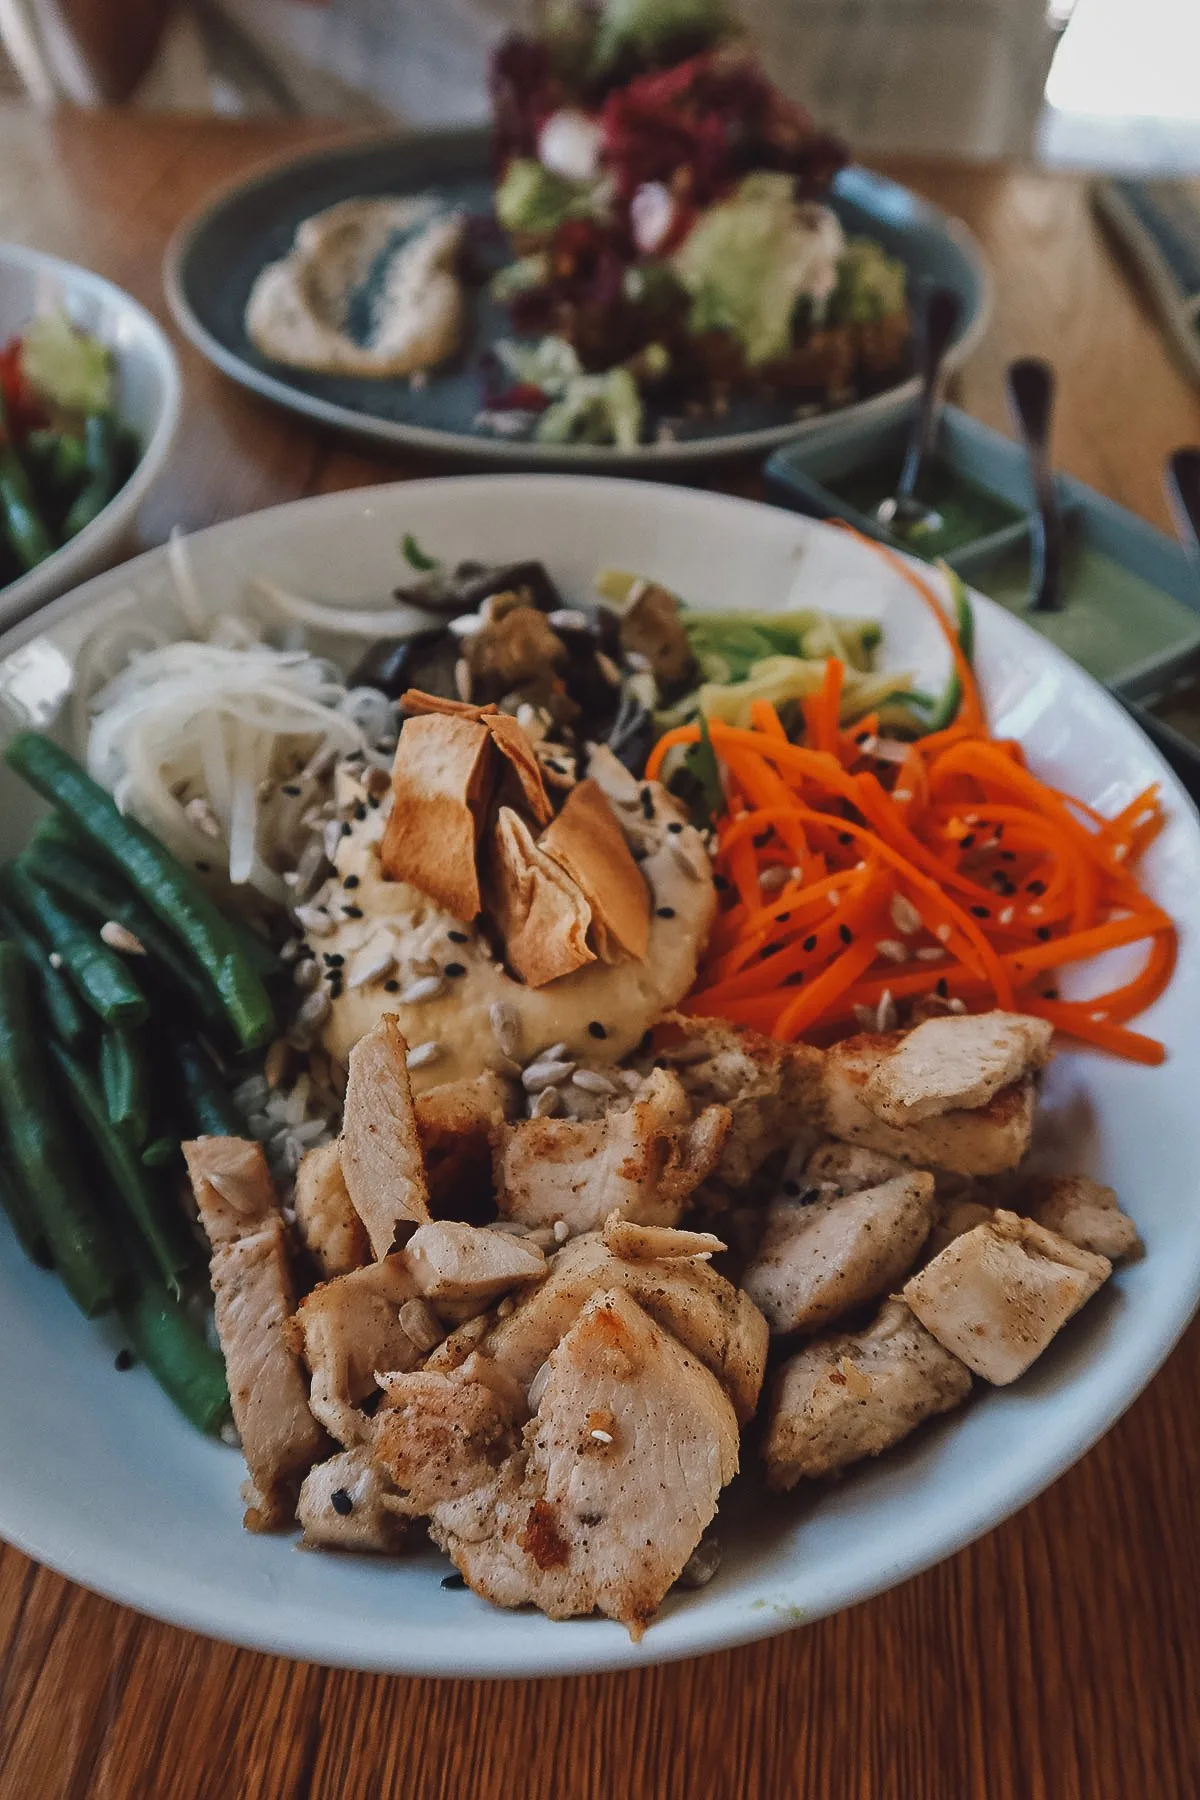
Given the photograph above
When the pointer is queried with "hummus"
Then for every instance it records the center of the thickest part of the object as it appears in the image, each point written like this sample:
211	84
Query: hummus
368	288
402	954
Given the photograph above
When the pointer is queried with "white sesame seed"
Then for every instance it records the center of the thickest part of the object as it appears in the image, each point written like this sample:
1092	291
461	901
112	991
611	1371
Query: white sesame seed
602	1437
1035	912
119	937
55	960
331	837
957	1006
423	1054
562	1231
942	934
1098	1018
930	953
885	1015
314	920
427	988
1120	852
835	898
306	974
892	950
902	795
1005	915
905	916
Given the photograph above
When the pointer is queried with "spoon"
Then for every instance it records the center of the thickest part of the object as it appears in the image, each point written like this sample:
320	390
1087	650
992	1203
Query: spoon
1183	492
903	514
1031	396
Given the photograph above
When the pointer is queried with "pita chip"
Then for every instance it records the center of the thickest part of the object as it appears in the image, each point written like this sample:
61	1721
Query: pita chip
510	739
441	780
587	843
542	915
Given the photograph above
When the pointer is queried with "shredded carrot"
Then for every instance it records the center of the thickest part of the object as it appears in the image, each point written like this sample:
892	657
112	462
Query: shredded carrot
954	877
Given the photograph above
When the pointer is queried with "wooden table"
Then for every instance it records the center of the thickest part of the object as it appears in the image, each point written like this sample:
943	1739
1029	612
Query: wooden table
1058	1659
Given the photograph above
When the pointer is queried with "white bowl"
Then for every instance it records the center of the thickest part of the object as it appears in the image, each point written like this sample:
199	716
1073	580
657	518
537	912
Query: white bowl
104	1481
148	397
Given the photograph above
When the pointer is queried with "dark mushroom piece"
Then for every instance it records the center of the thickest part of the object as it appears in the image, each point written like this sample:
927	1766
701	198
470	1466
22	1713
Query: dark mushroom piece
426	661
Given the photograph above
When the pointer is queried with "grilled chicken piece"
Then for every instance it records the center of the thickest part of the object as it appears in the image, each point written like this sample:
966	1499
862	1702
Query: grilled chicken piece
855	1394
848	1168
984	1141
330	1229
954	1217
773	1091
818	1259
252	1287
349	1328
998	1294
439	1436
955	1064
642	1162
343	1506
655	1243
457	1124
709	1316
1086	1214
617	1480
379	1148
462	1263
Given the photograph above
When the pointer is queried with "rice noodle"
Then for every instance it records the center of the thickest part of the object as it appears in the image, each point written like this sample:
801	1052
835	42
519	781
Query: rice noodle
342	621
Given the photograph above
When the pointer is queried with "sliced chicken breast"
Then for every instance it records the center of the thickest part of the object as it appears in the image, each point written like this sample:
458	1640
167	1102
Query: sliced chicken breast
1086	1213
254	1296
330	1229
716	1321
772	1090
452	1262
956	1063
349	1328
380	1150
343	1506
617	1480
983	1141
441	1435
642	1162
856	1394
818	1259
997	1295
835	1168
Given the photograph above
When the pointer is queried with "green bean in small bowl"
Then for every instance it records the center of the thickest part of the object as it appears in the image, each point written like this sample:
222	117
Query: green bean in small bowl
89	405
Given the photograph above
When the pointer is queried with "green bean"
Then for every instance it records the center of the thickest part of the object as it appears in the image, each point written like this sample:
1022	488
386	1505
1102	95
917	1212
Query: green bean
159	1152
57	460
125	1083
62	1004
161	1224
102	894
100	976
159	878
43	1165
210	1110
173	1347
24	1221
99	436
23	524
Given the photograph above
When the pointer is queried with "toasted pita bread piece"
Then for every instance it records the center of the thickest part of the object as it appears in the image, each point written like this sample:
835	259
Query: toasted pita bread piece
443	772
510	739
380	1149
542	914
586	841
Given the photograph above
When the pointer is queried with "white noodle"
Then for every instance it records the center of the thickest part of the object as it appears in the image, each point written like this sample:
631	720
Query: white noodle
341	621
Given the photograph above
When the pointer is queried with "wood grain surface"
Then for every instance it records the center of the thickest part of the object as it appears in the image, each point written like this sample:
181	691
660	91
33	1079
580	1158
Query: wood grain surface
1057	1659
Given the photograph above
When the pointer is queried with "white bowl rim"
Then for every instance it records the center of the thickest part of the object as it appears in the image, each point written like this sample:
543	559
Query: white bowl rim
66	564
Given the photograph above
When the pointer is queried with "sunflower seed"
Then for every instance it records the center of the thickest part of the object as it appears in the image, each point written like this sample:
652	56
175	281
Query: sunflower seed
545	1104
462	679
684	862
541	1075
566	618
427	988
377	963
291	950
892	950
506	1026
562	1231
885	1014
276	1062
593	1082
418	1320
555	1053
314	1011
314	920
306	974
905	916
930	953
702	1564
423	1054
331	838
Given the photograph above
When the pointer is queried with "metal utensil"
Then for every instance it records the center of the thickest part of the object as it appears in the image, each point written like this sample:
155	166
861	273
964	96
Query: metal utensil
1183	493
1031	396
904	512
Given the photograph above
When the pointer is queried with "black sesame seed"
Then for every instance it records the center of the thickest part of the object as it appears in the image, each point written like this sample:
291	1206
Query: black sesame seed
353	912
351	881
1035	887
943	988
360	812
458	937
761	839
1008	855
666	912
391	987
1050	994
373	801
782	918
453	1582
1043	934
341	1502
346	829
810	943
675	828
794	979
124	1359
290	789
845	933
720	883
647	800
596	1029
453	970
644	1042
845	837
204	867
333	959
981	912
772	950
967	842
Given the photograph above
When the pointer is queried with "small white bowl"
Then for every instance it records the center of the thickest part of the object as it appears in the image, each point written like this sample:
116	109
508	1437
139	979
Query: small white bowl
148	397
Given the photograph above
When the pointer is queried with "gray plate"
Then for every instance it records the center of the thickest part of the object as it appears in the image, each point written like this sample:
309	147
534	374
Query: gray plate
212	263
